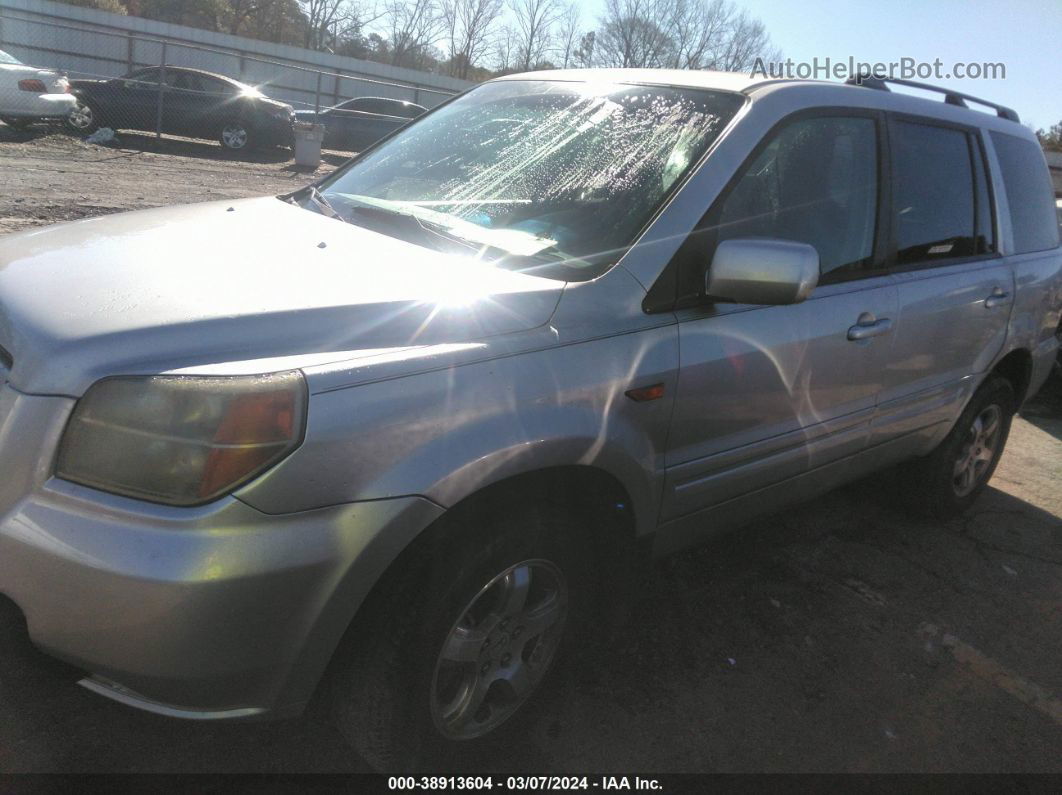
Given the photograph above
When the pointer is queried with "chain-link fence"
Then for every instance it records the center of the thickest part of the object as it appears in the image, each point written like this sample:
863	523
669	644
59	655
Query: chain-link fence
136	82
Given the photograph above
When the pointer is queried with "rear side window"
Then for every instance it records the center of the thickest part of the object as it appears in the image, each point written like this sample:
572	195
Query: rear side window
815	182
933	193
1029	193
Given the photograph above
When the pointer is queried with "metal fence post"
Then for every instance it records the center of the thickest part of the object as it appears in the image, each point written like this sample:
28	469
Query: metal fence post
162	84
130	54
317	96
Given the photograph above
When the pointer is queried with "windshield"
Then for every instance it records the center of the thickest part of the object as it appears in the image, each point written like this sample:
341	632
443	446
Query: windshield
550	176
5	58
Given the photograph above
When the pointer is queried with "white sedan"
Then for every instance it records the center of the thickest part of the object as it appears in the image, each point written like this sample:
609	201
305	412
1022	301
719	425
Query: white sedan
29	94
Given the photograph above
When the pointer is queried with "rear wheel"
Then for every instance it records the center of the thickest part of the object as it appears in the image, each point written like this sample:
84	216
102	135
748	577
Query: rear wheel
83	119
948	481
454	643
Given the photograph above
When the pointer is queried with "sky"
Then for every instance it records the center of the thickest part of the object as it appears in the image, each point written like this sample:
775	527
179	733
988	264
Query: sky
1025	35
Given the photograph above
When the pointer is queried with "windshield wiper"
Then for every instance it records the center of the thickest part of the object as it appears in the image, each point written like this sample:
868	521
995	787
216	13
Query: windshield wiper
430	230
322	204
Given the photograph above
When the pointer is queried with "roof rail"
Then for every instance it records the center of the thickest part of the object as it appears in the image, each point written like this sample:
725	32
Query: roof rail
950	97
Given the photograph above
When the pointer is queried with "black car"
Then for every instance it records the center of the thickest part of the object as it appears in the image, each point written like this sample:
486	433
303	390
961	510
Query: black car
194	103
360	122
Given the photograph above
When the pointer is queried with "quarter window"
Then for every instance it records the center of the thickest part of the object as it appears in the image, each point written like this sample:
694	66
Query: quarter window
816	182
1029	193
933	193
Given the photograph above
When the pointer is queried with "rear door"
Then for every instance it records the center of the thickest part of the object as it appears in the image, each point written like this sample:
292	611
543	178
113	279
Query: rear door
766	393
369	119
955	291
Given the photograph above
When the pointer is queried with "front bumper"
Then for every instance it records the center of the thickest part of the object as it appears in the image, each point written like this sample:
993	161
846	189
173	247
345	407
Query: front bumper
277	131
210	612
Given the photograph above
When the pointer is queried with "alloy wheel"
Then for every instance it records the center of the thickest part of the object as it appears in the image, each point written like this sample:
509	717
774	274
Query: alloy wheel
978	451
234	136
499	649
81	117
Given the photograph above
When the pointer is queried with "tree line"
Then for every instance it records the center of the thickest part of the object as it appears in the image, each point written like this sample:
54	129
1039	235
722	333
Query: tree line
477	39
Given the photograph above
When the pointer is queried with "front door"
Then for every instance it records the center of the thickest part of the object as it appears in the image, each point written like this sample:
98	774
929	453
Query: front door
137	105
766	393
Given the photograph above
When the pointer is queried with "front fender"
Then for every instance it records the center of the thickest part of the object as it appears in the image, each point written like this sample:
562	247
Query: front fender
447	434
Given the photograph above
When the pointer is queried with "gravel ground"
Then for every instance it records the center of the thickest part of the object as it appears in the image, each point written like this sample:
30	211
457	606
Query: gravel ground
841	636
49	176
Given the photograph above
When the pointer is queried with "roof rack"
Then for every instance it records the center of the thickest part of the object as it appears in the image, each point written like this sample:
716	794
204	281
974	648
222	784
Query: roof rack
950	97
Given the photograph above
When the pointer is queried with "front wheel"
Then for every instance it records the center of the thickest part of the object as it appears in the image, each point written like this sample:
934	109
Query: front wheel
948	481
235	136
454	643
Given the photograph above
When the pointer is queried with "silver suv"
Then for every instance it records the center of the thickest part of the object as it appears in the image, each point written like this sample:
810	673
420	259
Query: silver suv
406	430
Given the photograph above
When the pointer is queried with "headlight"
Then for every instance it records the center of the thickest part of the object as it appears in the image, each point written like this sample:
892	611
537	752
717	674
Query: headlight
181	440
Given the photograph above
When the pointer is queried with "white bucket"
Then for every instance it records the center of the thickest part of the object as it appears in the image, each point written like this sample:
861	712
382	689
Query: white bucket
308	138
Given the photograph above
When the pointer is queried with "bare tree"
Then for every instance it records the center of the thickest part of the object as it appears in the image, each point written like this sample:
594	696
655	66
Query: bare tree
467	27
413	27
681	34
569	35
240	11
634	33
747	41
327	20
504	49
699	30
535	20
584	53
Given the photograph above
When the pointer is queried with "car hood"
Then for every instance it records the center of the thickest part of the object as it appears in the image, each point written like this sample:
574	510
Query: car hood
176	287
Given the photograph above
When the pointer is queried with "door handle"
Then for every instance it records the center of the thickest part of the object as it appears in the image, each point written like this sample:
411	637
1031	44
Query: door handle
869	326
999	297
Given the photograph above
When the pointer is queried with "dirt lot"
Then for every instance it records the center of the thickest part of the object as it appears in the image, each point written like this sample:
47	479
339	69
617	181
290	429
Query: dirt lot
842	636
49	176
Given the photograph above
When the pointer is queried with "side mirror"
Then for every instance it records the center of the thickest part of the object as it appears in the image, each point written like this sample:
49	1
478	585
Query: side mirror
762	271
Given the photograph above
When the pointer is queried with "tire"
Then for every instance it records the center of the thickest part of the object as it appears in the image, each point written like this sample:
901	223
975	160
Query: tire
394	693
235	136
84	119
948	481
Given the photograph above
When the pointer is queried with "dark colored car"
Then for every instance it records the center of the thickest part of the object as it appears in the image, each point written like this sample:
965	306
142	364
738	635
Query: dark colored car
361	122
195	103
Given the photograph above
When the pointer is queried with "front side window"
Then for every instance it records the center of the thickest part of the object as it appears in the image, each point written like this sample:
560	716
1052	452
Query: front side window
5	58
381	106
815	182
556	176
183	81
220	87
933	193
1029	193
